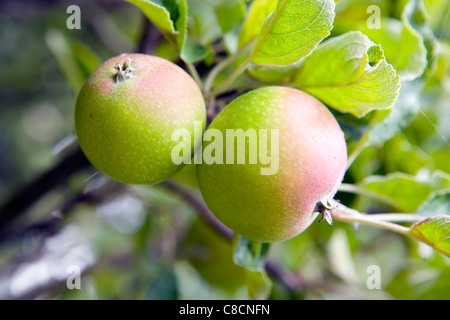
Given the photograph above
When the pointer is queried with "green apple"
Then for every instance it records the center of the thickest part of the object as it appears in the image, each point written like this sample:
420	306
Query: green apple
126	113
272	200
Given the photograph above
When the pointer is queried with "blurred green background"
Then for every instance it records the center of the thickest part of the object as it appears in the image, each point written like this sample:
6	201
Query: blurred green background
146	242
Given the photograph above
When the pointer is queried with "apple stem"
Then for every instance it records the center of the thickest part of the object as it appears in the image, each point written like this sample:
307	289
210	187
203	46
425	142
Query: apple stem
343	213
124	72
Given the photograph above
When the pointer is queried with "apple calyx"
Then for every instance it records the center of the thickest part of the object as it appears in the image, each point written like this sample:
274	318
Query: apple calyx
324	206
124	72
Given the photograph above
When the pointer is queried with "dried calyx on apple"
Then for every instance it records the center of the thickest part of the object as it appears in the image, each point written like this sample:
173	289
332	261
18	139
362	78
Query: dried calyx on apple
126	112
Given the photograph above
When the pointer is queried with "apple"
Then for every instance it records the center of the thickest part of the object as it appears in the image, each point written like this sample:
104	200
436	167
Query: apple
307	152
126	112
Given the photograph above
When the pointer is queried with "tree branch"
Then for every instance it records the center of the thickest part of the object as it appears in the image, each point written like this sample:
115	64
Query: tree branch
24	197
52	224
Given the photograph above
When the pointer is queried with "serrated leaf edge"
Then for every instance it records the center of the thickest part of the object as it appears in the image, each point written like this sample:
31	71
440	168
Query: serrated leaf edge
419	235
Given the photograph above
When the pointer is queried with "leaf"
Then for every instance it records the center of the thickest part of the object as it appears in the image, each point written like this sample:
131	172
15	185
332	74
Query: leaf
271	73
440	159
434	231
340	259
403	47
404	190
259	285
437	204
62	49
170	16
402	43
87	58
405	109
415	16
407	192
193	52
400	155
257	13
166	50
440	78
292	31
229	14
164	286
350	74
203	25
410	36
250	254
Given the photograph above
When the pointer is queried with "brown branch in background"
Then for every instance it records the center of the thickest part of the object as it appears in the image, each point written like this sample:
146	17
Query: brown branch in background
195	202
150	38
56	176
51	225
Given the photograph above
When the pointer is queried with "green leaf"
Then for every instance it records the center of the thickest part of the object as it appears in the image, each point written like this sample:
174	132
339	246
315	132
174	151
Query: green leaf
416	16
402	45
434	231
440	78
61	48
271	73
292	31
437	204
440	159
87	58
250	254
406	191
164	286
257	13
259	285
350	74
400	155
166	50
229	14
170	16
203	25
414	32
193	52
405	109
